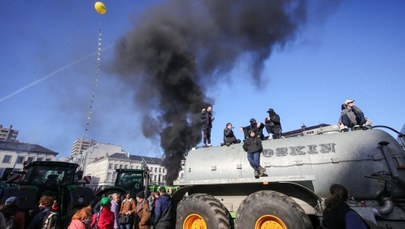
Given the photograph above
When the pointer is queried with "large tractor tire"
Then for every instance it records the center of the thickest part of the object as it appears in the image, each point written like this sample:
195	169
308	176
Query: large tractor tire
202	211
270	209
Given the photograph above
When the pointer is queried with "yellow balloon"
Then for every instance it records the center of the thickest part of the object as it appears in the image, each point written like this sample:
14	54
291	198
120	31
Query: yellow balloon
100	8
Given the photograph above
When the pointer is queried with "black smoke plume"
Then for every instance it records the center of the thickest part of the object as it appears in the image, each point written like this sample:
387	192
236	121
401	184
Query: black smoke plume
180	47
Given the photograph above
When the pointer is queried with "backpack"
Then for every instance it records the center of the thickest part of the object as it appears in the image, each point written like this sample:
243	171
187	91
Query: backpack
50	221
11	223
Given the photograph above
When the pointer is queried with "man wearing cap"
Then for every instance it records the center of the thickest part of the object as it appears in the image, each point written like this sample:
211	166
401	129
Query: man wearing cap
352	115
11	211
142	211
104	219
255	127
273	124
253	147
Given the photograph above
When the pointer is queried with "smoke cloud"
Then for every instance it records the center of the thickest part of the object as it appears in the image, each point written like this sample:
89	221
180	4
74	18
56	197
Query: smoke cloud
181	46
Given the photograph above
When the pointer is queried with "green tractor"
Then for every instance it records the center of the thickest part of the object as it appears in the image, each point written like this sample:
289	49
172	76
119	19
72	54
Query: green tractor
52	178
127	180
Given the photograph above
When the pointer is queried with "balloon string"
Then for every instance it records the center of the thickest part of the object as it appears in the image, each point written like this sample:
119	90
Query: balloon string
95	83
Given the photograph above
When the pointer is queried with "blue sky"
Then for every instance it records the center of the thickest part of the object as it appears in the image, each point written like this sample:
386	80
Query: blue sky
356	49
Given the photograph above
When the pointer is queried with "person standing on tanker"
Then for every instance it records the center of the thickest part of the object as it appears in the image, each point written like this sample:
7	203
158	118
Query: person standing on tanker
273	124
206	121
254	126
229	136
253	146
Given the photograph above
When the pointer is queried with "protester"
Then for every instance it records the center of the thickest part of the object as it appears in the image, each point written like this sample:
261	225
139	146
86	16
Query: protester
163	211
229	136
128	208
13	214
273	124
352	116
206	122
44	206
142	211
81	219
338	214
115	208
254	126
253	146
104	219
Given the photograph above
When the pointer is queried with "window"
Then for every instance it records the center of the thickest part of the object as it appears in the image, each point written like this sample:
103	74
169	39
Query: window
110	166
30	159
160	170
126	166
20	160
115	166
48	159
120	166
155	169
7	159
39	159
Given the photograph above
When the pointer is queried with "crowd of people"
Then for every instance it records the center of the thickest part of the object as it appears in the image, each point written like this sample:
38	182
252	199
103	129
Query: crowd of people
144	211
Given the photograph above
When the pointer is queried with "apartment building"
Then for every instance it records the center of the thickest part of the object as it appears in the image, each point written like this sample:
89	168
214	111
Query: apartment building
101	160
14	154
8	134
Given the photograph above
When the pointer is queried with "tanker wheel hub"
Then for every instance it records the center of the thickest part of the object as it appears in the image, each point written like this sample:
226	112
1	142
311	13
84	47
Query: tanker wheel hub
270	222
194	221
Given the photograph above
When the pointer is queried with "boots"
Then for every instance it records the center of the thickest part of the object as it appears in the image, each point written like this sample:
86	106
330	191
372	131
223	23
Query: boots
262	172
256	174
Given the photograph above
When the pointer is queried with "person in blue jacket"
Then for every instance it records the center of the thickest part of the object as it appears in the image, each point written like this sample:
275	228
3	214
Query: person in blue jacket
163	211
339	215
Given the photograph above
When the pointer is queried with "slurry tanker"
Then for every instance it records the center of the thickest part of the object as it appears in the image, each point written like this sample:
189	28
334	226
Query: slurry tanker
218	188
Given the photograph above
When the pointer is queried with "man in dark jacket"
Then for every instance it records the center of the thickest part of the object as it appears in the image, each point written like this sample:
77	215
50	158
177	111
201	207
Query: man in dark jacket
44	207
253	146
229	136
254	126
353	116
163	211
206	122
273	124
338	213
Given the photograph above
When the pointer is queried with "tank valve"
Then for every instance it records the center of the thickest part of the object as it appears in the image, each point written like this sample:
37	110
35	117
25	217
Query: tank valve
386	208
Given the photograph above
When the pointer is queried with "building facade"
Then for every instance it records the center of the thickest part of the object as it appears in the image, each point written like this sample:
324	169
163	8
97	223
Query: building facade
100	162
8	134
15	154
81	145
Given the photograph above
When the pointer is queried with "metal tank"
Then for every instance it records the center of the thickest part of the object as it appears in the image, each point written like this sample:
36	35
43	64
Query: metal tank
369	163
